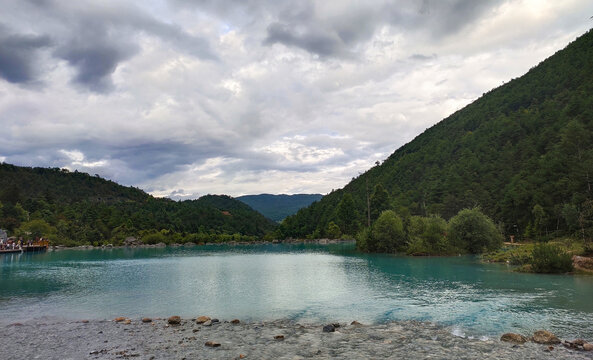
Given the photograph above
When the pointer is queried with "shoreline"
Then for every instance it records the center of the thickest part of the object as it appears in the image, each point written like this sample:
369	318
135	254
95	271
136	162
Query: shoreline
280	339
191	244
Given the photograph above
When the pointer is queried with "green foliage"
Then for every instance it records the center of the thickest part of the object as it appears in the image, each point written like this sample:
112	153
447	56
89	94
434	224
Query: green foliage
387	233
333	230
347	216
526	143
86	209
379	201
548	258
474	232
362	239
36	229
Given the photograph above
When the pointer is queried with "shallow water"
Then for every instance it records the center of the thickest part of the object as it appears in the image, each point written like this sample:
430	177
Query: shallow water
307	283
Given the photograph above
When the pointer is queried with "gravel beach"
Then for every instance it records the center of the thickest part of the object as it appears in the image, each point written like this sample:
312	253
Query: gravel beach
157	339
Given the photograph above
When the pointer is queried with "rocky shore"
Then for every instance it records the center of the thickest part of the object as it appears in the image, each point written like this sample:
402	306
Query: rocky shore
206	338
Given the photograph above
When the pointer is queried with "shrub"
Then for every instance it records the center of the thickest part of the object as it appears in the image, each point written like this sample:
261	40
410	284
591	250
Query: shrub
388	233
333	230
548	258
474	232
362	239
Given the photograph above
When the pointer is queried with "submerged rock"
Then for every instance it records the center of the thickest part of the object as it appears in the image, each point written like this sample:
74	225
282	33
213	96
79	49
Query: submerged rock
279	337
545	337
355	323
514	338
212	344
146	320
235	321
174	320
329	328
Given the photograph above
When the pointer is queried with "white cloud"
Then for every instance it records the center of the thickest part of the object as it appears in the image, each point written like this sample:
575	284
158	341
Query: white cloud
208	103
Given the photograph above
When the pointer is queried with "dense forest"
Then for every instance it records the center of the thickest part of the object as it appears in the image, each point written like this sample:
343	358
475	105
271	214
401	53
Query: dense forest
278	207
75	208
522	153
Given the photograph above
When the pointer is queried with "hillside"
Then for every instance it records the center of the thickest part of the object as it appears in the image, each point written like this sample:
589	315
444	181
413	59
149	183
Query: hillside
83	209
278	207
523	152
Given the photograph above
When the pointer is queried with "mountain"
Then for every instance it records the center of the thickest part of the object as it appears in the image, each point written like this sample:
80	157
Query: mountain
523	152
83	209
278	207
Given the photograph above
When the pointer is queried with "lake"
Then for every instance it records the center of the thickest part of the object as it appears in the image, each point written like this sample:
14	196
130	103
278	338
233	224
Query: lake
307	283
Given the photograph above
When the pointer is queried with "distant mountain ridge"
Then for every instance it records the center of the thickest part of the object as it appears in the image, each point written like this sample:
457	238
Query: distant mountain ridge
523	152
88	209
278	207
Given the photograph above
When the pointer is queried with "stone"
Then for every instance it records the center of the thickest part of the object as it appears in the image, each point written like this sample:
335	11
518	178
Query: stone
202	319
195	330
545	337
146	320
582	262
127	322
355	323
242	356
279	337
588	347
513	338
119	319
212	344
207	323
215	320
235	321
85	321
329	328
174	320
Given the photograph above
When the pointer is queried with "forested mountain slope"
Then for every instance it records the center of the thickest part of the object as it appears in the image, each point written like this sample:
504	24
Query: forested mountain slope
81	208
523	152
278	207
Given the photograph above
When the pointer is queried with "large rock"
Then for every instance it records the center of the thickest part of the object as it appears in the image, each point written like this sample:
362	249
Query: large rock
588	347
202	319
514	338
174	320
545	337
582	263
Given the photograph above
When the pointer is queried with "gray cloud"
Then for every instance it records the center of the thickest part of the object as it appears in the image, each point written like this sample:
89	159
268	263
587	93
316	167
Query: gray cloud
18	54
251	96
95	59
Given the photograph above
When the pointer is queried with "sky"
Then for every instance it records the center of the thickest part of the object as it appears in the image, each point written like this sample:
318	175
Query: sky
184	98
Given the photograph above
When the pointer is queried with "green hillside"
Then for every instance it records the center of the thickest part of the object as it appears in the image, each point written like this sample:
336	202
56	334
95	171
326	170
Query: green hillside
278	207
523	152
76	208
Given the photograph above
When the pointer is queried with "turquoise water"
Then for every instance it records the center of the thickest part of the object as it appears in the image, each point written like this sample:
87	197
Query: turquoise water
307	283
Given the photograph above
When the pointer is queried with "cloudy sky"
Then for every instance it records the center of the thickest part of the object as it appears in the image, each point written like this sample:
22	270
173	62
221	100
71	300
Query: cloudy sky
184	98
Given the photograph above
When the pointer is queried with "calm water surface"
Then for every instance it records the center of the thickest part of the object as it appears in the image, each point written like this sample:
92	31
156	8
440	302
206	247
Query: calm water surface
302	282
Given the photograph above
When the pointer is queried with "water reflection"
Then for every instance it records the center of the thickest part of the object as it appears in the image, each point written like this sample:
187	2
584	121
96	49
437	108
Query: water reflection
305	282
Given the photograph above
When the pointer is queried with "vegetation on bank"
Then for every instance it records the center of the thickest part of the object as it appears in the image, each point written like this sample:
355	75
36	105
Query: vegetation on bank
522	152
73	208
469	232
542	257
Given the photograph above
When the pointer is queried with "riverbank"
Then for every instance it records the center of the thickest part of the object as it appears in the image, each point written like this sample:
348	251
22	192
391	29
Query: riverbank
140	245
157	339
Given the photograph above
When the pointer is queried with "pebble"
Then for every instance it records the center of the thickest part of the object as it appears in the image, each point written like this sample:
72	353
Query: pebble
146	320
212	344
329	328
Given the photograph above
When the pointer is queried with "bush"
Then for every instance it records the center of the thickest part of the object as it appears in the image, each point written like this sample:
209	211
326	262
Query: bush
362	239
154	238
548	258
333	230
387	234
472	231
